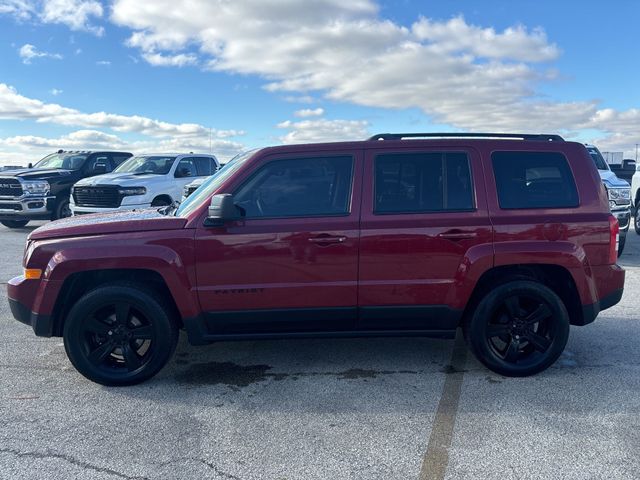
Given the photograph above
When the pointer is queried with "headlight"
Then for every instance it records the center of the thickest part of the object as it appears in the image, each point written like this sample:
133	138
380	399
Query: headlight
619	193
36	187
128	191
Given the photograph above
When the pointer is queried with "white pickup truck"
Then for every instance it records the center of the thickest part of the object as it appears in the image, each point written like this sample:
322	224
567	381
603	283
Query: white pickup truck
143	181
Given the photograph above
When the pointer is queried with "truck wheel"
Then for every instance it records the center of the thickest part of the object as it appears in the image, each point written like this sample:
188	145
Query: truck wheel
519	328
119	334
14	223
62	210
161	202
621	242
636	218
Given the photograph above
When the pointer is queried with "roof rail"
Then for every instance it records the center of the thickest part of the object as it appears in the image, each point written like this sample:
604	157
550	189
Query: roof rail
543	137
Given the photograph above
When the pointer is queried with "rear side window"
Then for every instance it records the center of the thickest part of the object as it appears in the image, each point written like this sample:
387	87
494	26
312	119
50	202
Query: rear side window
422	182
205	166
119	158
298	188
534	180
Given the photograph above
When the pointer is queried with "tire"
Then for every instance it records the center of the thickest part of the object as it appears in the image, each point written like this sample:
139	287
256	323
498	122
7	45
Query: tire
160	202
502	336
119	334
621	243
636	218
15	223
62	210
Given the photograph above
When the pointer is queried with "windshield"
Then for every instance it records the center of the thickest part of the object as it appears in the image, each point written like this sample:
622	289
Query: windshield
159	165
67	161
211	184
597	158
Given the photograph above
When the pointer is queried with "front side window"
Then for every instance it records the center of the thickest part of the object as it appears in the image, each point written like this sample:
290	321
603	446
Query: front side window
422	182
140	165
534	180
186	168
298	188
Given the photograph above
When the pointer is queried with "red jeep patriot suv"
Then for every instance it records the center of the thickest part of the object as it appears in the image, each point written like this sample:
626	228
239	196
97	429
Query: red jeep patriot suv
508	236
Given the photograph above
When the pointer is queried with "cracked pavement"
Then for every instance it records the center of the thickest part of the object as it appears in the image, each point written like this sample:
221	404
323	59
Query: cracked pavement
320	409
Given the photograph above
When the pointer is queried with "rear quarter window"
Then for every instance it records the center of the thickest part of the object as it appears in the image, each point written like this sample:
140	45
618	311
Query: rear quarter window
534	180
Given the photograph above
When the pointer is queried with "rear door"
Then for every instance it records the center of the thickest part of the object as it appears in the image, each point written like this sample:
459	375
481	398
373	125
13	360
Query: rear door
424	212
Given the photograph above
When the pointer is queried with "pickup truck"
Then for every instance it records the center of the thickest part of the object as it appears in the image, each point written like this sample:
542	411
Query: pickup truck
42	191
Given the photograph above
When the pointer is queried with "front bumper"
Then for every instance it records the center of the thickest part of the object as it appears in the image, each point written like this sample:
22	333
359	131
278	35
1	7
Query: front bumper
78	210
624	217
42	324
26	208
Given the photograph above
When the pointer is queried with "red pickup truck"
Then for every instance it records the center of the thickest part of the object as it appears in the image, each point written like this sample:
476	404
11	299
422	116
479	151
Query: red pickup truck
508	236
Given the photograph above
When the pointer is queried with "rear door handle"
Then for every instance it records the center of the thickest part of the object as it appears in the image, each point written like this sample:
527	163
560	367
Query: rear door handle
327	239
457	235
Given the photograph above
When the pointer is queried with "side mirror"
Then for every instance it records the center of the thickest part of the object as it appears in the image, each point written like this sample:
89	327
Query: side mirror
30	165
221	210
99	169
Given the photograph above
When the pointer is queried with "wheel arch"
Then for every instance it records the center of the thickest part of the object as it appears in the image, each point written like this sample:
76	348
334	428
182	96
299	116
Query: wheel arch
80	283
163	196
556	277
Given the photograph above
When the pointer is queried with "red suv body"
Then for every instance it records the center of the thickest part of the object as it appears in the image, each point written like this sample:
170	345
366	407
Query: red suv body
512	239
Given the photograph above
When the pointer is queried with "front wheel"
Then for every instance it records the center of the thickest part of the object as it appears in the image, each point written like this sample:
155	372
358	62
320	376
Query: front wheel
63	210
519	328
119	335
15	223
636	218
622	240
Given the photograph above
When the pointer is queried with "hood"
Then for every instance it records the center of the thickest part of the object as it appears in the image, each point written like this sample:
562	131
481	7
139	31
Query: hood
114	222
121	179
36	173
610	180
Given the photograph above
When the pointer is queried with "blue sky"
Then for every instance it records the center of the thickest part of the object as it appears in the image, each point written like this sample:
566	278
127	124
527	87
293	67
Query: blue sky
163	75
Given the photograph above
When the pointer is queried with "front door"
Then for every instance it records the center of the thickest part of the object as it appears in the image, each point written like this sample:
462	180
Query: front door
291	263
424	216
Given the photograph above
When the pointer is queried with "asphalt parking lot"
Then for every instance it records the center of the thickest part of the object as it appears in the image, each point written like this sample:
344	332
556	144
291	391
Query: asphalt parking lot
326	409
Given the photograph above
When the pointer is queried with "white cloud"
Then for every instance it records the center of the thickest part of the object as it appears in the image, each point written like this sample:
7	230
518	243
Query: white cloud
55	92
459	74
14	106
309	112
323	130
180	60
28	52
103	63
76	14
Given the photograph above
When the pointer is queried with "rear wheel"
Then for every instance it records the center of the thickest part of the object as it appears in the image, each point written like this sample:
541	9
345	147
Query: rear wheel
119	335
15	223
622	240
519	328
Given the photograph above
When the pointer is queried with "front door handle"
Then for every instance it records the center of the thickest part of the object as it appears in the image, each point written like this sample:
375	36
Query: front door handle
327	239
457	235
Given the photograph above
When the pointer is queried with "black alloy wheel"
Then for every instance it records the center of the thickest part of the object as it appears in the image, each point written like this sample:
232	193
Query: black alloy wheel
520	328
119	335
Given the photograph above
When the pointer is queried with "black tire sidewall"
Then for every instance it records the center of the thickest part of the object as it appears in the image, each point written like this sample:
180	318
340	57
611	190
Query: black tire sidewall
479	345
163	343
59	207
15	223
621	244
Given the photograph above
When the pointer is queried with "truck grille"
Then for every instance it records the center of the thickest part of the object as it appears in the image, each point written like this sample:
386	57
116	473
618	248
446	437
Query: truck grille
10	187
106	196
10	206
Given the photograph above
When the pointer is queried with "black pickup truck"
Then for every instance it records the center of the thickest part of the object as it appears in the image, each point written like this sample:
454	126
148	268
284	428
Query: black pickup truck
42	191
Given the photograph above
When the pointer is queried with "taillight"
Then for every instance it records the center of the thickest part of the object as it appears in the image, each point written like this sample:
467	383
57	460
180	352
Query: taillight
614	239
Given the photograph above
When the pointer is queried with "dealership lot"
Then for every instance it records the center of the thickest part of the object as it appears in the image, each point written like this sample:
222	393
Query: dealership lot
306	409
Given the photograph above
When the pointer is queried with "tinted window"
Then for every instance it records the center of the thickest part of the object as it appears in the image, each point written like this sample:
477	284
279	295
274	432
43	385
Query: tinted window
422	182
101	159
205	166
118	158
297	188
186	168
534	180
